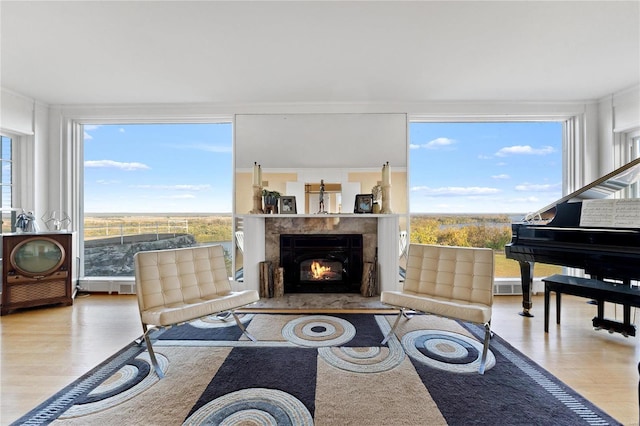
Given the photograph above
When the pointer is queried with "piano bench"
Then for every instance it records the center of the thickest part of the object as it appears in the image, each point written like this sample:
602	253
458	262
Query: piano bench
600	291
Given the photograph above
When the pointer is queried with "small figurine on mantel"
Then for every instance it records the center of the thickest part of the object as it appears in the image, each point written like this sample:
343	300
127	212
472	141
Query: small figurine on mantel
321	198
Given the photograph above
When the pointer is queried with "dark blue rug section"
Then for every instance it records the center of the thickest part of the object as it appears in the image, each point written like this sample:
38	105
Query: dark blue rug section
502	396
367	330
292	370
189	332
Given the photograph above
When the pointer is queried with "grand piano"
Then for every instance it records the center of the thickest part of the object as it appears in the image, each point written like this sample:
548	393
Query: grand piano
569	232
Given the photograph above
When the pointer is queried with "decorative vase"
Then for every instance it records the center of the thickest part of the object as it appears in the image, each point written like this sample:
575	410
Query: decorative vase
270	204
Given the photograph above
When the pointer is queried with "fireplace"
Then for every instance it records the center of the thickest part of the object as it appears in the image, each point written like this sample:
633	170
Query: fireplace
321	263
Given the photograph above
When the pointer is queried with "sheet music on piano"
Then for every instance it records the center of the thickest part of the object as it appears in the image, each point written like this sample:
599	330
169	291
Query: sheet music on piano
611	213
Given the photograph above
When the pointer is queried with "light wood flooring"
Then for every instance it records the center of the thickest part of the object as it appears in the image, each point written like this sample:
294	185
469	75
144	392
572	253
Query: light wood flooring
44	349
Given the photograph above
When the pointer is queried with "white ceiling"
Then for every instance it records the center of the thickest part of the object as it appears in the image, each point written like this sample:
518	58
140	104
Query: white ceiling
115	52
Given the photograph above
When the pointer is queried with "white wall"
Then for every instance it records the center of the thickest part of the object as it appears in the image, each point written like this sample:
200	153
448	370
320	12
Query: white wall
617	114
16	113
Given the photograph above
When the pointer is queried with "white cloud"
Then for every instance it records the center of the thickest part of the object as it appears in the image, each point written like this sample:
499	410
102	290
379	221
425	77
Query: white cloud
88	128
531	199
174	187
502	176
455	191
437	143
537	187
524	150
115	165
106	182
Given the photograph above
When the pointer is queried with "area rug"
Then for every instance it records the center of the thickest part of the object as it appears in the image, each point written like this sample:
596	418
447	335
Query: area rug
321	370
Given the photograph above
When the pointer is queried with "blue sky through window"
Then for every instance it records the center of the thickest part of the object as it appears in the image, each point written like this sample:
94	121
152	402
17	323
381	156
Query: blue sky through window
158	168
506	167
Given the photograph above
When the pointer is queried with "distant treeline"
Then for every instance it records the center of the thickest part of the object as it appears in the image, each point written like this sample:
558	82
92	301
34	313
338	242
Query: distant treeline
205	229
492	231
470	230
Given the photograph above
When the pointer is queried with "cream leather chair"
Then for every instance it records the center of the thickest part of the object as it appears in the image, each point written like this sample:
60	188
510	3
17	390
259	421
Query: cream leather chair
180	285
453	282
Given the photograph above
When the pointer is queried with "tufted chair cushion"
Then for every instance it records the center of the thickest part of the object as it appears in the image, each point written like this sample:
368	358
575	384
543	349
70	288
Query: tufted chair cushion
179	285
455	282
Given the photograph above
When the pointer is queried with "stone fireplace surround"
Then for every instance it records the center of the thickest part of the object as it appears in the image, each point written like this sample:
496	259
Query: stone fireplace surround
262	239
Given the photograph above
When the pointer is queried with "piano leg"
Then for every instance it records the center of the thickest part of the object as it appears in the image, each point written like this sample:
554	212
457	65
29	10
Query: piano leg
526	272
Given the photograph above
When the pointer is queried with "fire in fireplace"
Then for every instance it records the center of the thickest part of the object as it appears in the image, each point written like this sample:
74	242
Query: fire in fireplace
321	263
321	270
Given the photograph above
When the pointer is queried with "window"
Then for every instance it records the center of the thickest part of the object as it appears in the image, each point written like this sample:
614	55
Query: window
6	183
470	180
154	186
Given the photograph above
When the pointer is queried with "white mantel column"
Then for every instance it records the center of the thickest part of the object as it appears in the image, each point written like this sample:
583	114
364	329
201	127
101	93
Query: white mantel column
254	251
388	252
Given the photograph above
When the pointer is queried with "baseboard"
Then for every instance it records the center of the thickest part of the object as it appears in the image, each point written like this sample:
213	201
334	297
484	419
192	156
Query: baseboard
108	285
507	287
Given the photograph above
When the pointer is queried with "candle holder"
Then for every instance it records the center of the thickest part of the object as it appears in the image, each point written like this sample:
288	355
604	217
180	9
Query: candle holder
386	200
386	189
257	200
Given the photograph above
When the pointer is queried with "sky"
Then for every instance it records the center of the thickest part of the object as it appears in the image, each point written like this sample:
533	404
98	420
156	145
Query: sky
156	168
511	167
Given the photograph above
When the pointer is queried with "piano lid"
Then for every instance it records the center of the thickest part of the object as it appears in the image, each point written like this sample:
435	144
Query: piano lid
604	187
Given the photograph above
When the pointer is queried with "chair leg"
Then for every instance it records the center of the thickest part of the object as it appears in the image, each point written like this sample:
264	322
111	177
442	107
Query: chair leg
408	314
152	354
485	349
393	327
223	316
242	327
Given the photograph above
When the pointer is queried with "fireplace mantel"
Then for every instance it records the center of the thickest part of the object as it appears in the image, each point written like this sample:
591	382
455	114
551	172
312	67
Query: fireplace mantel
387	230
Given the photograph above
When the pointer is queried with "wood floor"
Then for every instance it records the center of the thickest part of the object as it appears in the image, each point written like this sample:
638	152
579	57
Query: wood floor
43	350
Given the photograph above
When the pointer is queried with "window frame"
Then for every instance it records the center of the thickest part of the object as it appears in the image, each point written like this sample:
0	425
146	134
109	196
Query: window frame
572	149
75	129
11	185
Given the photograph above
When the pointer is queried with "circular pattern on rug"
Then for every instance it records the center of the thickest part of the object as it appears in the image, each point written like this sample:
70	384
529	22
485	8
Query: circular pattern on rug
127	382
222	320
257	406
318	331
373	359
445	350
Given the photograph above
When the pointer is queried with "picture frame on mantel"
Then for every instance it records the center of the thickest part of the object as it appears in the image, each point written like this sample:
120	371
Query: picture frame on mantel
288	204
363	204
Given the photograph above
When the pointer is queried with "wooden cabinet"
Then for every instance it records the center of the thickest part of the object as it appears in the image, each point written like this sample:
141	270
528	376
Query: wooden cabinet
36	270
